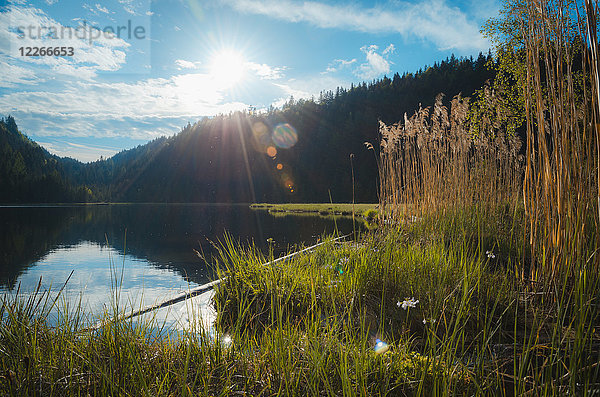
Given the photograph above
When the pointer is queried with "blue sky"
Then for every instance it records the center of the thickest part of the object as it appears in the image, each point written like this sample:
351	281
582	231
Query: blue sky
142	69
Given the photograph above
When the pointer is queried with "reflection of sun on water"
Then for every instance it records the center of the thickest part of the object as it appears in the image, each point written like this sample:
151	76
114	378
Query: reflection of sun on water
227	67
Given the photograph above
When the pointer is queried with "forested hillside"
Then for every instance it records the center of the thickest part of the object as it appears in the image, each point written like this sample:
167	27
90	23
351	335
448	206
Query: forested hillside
28	173
302	152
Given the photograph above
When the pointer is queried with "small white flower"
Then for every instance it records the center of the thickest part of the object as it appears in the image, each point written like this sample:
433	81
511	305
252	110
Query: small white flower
407	303
424	321
344	260
490	254
414	219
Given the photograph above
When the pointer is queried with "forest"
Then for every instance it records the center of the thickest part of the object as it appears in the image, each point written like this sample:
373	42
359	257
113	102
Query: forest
235	157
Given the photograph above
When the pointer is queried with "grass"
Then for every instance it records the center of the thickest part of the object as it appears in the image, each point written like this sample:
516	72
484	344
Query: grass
365	210
311	325
307	327
365	214
481	329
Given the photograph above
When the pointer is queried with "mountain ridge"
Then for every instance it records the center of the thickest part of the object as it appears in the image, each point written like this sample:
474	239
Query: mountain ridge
236	157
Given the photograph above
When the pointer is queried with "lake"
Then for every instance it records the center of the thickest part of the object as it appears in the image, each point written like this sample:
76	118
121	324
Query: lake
148	250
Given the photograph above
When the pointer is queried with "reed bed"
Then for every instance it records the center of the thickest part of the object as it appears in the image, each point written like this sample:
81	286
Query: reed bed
450	166
561	175
434	162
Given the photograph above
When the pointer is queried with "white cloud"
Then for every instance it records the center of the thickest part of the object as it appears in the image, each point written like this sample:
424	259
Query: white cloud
128	6
290	90
376	64
102	9
436	21
265	71
389	49
189	95
183	64
96	9
93	50
78	151
308	87
82	72
339	64
12	75
48	128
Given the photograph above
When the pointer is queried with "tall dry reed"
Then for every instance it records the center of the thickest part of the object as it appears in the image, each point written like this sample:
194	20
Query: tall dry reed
439	159
434	161
561	168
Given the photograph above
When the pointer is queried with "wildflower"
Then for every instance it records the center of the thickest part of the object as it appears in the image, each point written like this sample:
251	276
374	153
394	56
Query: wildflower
334	283
344	260
407	303
270	240
490	254
424	321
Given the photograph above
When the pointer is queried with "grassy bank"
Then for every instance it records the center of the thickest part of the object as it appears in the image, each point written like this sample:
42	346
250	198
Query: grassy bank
364	210
428	307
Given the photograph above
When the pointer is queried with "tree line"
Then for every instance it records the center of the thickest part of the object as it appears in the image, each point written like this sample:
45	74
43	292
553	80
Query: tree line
237	157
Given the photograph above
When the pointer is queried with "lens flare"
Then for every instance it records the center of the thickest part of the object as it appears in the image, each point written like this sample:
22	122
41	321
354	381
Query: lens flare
261	135
226	341
271	151
380	347
285	136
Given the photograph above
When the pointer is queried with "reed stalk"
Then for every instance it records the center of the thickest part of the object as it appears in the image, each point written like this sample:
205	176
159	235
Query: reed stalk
433	161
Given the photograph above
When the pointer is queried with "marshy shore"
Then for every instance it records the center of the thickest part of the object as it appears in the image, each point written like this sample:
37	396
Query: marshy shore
428	306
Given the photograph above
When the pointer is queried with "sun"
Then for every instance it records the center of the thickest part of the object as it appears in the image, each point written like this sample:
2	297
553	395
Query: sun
227	67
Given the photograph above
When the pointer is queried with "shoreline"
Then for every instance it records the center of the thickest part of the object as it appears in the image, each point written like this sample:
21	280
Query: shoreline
369	211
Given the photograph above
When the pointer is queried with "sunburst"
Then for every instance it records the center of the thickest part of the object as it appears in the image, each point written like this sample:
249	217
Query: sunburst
227	67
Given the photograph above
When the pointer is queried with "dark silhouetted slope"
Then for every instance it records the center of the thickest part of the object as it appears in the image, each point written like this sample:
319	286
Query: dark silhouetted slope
245	157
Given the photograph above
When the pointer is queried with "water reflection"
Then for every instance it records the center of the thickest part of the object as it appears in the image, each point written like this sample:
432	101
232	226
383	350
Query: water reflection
153	245
98	274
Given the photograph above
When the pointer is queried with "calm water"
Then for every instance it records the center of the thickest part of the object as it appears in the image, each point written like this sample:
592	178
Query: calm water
151	247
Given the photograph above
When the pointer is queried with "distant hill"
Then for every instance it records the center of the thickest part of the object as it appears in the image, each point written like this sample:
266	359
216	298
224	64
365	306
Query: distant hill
243	156
28	173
